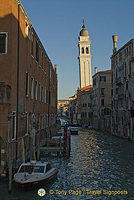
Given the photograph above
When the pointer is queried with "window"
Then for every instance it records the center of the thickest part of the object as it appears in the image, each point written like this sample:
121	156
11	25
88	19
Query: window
32	48
14	125
32	88
89	104
32	44
50	73
42	96
82	50
94	82
102	112
39	121
49	97
111	92
37	51
103	78
45	95
102	102
27	84
26	123
36	90
130	69
42	122
39	92
28	31
102	91
48	167
127	86
87	50
3	43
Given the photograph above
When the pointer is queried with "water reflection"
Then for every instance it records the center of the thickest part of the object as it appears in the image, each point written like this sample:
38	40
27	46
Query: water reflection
98	162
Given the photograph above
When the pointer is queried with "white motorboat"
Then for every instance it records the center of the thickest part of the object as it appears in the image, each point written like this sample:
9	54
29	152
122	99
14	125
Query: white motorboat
35	173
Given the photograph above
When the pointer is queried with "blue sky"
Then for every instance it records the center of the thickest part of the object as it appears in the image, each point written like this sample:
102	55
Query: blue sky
58	23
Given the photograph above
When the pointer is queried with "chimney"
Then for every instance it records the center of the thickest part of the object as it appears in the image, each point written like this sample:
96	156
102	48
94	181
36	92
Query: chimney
95	70
115	38
55	67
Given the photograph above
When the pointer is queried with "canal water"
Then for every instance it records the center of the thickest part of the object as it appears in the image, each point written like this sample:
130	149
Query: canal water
101	167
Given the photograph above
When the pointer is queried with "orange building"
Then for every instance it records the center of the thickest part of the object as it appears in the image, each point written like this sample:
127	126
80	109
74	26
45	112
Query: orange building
28	82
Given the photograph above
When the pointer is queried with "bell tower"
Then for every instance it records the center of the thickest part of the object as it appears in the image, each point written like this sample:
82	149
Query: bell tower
84	58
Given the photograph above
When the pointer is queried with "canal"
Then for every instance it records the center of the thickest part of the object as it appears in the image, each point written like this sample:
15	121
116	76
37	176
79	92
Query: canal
101	167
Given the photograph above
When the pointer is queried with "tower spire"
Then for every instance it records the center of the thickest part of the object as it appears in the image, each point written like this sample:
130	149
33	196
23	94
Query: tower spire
83	22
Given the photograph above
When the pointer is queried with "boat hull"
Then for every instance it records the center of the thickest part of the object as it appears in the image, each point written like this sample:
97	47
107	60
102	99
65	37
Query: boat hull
37	182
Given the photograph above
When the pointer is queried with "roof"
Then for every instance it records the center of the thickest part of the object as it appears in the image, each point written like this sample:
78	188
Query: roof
86	88
114	54
106	71
83	32
62	100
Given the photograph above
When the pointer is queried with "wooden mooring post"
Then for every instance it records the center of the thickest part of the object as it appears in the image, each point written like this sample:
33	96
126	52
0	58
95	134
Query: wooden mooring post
10	167
38	147
23	149
65	141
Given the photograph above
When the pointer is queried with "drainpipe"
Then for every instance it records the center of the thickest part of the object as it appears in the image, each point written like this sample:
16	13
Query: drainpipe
18	61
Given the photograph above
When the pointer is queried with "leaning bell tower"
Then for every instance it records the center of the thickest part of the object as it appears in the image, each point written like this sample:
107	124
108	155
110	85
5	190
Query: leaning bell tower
84	58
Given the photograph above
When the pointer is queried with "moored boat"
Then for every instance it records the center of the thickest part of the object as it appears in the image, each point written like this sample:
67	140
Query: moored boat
37	172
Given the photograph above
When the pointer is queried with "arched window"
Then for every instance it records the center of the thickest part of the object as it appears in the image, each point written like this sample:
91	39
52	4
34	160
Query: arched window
87	50
82	50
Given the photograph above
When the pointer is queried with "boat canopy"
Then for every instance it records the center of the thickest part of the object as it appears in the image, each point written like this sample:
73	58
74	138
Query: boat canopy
32	169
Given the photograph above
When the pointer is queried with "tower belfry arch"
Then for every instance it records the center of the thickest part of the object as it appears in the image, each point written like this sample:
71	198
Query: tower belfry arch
84	57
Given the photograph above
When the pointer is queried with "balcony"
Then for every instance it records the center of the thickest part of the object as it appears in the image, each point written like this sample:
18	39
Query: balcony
119	81
121	96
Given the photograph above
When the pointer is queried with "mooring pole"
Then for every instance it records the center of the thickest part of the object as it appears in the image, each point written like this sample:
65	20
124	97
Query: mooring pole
65	141
10	166
38	148
23	149
69	143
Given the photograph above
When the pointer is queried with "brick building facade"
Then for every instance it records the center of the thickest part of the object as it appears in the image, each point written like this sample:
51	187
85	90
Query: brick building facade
28	82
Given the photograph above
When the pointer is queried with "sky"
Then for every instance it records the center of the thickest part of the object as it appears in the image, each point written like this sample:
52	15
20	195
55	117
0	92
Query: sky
58	23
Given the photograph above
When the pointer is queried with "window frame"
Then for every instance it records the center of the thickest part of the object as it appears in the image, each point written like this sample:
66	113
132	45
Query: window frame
87	50
82	50
36	90
39	92
27	84
6	40
14	125
32	88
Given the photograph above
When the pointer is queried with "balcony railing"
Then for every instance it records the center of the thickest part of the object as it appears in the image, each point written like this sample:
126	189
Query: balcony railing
121	96
119	81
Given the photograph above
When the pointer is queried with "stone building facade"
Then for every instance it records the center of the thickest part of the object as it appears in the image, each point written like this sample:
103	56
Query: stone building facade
28	82
63	107
73	108
101	100
122	65
84	105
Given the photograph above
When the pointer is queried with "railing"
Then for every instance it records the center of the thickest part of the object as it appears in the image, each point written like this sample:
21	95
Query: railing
119	81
